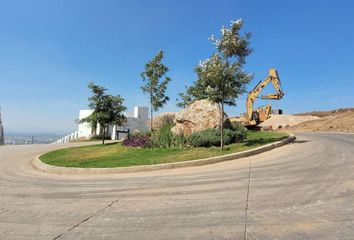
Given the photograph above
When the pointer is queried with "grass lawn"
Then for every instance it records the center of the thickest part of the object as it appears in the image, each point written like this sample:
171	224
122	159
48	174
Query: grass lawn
116	155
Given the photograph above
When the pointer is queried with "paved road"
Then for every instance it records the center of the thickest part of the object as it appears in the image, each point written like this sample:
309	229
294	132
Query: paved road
304	190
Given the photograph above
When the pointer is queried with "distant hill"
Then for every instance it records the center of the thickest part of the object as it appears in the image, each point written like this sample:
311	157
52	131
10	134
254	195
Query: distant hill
325	113
340	120
16	138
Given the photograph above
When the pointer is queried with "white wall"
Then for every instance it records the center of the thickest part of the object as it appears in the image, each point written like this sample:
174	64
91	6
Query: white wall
85	129
141	113
136	121
139	122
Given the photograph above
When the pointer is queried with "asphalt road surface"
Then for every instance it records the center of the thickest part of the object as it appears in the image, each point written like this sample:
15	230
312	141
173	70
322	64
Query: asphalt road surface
303	190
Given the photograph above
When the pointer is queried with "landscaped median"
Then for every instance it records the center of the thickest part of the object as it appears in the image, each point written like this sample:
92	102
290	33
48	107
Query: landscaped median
115	158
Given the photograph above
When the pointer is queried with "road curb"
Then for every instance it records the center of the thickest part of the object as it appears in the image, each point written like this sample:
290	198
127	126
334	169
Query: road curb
38	164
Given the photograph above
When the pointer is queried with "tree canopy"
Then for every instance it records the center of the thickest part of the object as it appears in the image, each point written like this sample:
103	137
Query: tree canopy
221	77
107	109
155	83
224	67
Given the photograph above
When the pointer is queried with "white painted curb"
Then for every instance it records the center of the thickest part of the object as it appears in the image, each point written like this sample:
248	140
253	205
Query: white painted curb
75	170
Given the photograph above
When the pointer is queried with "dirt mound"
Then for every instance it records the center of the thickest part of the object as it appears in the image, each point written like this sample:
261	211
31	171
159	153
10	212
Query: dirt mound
341	120
326	113
282	121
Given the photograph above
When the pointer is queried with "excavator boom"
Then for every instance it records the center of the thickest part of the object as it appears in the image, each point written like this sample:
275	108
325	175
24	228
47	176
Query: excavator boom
277	85
251	115
272	97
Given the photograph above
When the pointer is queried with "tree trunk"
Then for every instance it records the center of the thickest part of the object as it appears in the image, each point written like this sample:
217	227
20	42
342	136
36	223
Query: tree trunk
151	113
222	127
103	134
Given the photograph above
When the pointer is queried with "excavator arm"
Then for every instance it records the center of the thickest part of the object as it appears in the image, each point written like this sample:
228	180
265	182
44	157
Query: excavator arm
274	78
252	95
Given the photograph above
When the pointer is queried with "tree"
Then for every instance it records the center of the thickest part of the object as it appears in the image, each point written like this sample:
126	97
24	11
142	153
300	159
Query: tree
107	109
221	77
193	92
156	81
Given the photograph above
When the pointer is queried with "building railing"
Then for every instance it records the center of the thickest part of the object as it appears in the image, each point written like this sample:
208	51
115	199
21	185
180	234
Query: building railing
68	138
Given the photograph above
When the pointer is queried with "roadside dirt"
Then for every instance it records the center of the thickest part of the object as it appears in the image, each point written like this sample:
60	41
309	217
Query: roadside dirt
341	120
283	121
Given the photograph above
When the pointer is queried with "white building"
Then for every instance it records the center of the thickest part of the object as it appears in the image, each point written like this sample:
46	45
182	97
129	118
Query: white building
2	137
137	121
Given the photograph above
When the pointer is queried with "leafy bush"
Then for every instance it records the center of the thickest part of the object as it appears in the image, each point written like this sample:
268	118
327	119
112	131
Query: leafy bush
211	137
140	134
237	127
164	138
137	141
178	140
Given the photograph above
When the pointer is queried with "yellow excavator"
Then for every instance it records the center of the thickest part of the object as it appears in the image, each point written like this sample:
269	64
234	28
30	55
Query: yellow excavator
252	117
255	117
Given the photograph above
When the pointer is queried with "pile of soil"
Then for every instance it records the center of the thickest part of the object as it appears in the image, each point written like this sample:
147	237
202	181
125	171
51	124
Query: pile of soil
341	120
325	113
284	121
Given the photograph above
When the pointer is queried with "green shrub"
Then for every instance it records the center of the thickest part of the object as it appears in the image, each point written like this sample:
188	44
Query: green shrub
211	137
178	141
146	133
164	138
237	127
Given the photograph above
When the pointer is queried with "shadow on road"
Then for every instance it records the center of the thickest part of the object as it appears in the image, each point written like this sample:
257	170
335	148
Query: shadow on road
261	141
300	141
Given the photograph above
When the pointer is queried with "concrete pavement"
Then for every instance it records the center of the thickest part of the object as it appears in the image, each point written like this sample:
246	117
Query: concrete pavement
304	190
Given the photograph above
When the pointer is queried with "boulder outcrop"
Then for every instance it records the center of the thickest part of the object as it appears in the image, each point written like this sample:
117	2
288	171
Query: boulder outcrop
198	116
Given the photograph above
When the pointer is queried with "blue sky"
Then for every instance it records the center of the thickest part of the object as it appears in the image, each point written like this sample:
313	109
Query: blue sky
50	50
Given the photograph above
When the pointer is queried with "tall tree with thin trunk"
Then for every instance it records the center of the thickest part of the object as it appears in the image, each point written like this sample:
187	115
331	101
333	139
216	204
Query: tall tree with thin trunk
155	83
221	78
107	109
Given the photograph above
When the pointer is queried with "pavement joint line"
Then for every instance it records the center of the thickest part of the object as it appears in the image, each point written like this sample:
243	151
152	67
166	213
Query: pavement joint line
254	237
85	220
39	165
247	199
95	214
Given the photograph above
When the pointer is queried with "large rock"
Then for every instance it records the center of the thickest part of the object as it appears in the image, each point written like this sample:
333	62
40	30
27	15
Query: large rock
198	116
